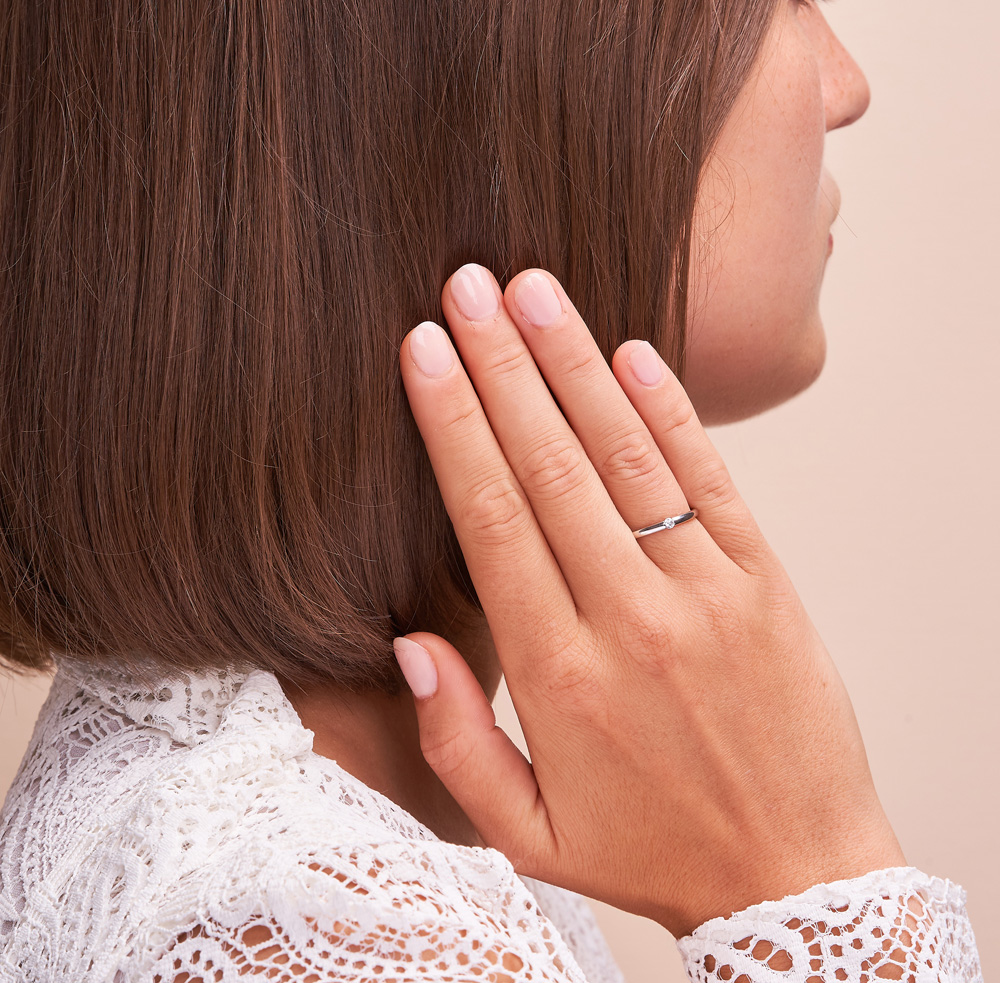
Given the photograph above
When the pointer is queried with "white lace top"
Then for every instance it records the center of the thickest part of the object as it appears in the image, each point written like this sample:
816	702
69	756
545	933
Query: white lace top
188	834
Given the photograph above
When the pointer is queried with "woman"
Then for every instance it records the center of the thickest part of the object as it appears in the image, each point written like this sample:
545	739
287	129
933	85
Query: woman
223	515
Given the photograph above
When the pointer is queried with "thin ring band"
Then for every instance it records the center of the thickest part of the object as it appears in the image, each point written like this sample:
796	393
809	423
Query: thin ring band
665	524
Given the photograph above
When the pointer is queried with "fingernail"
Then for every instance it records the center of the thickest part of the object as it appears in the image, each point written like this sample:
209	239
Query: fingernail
474	292
429	348
417	666
537	301
646	364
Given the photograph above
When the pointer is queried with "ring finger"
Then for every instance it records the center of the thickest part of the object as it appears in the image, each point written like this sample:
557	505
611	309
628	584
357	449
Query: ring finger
632	466
601	442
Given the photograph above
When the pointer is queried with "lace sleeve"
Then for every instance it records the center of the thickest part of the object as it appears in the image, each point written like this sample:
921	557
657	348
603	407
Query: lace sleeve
406	913
343	951
895	924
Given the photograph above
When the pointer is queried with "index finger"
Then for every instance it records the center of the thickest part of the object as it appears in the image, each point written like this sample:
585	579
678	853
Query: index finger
520	585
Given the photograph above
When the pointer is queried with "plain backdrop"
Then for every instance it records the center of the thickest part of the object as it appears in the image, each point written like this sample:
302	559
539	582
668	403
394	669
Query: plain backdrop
878	486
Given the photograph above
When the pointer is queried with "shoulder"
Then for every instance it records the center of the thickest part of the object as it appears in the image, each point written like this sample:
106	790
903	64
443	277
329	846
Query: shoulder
187	827
408	910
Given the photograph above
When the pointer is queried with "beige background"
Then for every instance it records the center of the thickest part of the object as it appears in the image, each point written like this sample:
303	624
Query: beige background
854	480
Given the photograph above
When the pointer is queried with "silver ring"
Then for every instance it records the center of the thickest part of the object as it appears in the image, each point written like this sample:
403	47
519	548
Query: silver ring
665	524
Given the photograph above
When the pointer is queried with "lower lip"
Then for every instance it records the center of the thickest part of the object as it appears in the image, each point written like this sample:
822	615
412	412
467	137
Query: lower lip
829	248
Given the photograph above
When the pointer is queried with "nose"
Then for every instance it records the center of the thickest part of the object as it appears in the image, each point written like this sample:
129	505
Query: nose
846	94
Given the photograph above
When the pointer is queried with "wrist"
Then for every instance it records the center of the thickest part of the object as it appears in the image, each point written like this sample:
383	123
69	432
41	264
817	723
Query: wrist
759	875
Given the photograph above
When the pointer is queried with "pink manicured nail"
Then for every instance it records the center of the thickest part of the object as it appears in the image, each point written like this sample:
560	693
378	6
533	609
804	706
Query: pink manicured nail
417	666
537	300
474	292
645	364
430	349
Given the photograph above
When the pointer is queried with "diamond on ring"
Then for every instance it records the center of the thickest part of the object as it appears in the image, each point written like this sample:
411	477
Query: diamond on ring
667	523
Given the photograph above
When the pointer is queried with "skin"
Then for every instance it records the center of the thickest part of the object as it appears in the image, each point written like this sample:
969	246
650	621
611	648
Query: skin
756	339
762	231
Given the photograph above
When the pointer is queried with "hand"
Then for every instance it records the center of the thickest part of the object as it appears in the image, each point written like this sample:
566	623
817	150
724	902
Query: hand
693	750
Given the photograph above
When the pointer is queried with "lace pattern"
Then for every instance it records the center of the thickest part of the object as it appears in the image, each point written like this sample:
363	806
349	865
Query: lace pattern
186	832
895	924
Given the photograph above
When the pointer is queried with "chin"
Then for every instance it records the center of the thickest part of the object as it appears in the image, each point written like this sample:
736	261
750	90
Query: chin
748	388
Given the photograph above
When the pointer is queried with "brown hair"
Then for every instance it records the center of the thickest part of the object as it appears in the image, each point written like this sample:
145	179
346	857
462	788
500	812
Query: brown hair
219	219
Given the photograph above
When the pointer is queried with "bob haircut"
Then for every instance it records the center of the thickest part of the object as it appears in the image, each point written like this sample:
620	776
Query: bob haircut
219	219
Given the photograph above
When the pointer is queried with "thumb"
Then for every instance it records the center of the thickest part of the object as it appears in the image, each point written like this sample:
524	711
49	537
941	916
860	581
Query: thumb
475	759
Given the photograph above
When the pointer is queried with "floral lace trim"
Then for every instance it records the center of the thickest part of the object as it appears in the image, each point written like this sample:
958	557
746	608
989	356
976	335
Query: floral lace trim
893	924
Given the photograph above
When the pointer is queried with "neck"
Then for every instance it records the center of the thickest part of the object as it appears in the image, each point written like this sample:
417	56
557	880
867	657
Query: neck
375	738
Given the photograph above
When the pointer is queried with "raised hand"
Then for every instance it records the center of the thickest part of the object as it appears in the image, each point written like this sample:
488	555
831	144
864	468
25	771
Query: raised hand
692	747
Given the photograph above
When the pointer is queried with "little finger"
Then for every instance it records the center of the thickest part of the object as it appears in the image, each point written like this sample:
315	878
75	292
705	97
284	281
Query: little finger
661	401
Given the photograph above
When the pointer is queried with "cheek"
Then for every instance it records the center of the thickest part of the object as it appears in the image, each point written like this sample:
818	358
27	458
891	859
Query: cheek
760	246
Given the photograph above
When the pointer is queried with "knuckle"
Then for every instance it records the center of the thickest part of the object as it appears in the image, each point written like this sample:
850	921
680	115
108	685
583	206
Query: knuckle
579	365
647	631
447	754
494	507
651	633
633	456
714	483
579	680
507	359
568	663
574	679
552	468
680	415
458	417
567	667
732	617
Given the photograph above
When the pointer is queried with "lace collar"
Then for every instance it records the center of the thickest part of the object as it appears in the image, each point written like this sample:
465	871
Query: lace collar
247	710
193	706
